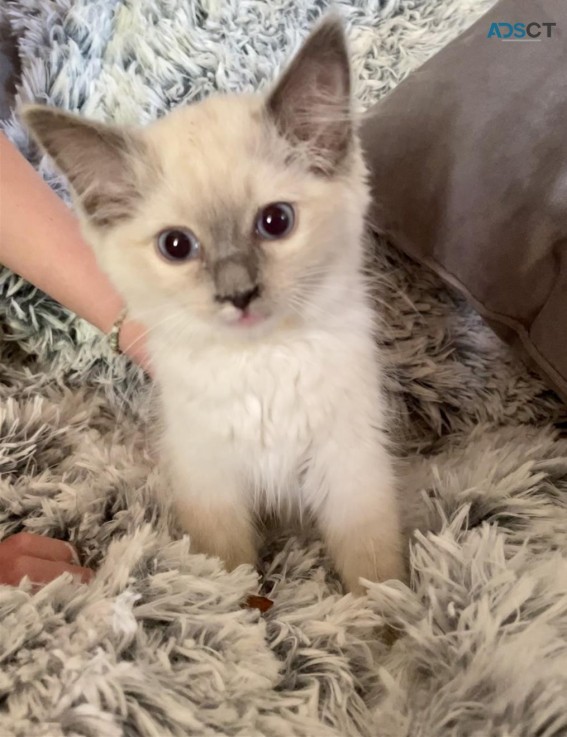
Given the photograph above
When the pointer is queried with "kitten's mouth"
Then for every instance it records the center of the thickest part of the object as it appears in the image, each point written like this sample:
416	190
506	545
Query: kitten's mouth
247	318
241	318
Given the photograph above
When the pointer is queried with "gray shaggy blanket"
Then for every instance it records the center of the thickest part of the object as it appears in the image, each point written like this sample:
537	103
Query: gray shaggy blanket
159	645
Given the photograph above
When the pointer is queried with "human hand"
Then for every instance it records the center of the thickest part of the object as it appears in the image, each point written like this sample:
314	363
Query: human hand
41	559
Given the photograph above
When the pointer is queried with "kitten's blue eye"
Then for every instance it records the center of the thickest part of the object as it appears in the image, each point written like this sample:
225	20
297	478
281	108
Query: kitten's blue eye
275	221
178	244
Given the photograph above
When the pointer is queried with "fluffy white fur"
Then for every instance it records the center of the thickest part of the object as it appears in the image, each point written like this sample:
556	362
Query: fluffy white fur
287	414
242	422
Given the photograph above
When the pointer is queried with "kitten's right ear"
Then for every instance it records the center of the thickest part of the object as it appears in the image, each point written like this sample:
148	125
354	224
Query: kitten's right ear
97	159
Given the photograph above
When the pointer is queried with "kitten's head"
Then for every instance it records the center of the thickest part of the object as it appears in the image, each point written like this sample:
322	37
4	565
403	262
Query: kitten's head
238	213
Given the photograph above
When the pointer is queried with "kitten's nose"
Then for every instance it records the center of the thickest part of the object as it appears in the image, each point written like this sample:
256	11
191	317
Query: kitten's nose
241	300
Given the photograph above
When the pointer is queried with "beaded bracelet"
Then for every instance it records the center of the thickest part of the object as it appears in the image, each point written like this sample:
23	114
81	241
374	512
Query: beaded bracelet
114	334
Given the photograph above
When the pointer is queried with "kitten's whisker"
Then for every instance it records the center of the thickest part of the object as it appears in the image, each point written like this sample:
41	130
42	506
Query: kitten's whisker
304	308
323	288
146	332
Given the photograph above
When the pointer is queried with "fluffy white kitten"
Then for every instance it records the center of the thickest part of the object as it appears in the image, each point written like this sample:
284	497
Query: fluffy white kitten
234	230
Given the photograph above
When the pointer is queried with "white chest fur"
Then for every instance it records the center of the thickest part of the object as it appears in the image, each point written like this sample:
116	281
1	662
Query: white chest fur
294	420
261	407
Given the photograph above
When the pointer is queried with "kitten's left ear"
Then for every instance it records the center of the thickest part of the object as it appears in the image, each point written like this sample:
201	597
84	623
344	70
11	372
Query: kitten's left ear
311	103
99	160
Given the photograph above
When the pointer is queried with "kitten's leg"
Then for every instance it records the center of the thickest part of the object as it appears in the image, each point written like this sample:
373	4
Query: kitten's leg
356	508
212	507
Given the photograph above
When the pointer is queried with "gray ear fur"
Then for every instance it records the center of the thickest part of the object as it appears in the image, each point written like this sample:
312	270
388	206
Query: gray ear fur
98	160
311	103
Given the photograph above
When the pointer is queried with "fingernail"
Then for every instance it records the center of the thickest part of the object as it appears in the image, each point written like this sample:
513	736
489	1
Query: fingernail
74	554
85	577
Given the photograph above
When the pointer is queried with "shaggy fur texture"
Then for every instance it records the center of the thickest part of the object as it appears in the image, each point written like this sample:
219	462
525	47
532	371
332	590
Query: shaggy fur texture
158	645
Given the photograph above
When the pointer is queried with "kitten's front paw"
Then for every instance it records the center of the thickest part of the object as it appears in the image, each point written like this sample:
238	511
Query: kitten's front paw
374	560
396	570
225	534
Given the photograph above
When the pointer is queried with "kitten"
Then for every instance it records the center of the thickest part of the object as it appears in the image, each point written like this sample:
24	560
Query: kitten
233	228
